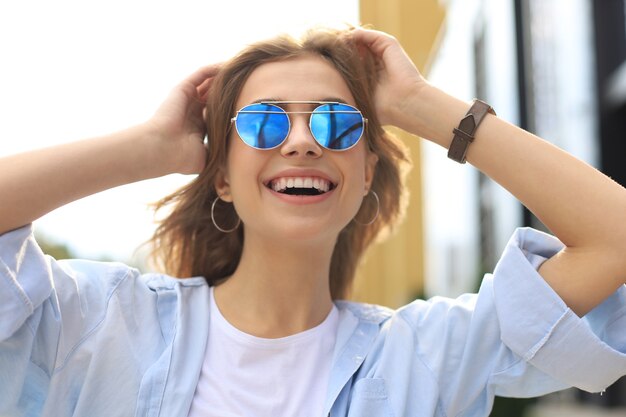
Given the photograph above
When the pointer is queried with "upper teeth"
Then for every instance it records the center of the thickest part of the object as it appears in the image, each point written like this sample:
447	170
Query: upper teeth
281	184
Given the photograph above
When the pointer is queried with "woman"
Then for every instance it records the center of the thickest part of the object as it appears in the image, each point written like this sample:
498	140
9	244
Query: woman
296	180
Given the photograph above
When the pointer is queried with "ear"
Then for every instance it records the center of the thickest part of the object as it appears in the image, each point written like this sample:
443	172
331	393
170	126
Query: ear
222	186
370	169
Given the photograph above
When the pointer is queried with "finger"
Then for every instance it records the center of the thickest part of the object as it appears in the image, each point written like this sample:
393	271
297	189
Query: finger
203	89
200	75
196	86
376	41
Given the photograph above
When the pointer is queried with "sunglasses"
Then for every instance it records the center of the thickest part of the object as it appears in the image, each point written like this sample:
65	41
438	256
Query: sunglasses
265	125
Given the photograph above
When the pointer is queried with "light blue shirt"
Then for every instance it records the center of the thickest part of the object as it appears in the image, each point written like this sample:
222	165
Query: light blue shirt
80	338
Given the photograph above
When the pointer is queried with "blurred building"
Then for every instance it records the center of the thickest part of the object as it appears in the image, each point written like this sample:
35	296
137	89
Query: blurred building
393	273
554	67
533	61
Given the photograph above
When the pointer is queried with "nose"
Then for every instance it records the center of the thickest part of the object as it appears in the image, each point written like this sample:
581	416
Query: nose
300	142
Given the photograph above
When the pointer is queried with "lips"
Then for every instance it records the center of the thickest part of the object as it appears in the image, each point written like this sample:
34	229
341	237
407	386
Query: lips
295	183
300	185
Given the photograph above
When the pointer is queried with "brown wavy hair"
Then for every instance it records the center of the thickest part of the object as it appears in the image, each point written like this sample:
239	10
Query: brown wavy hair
186	243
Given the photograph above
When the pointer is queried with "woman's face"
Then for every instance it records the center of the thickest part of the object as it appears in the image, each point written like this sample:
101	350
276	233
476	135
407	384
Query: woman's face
252	176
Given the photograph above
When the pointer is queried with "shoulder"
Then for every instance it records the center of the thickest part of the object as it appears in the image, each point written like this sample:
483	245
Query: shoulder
413	312
98	282
158	281
435	306
364	312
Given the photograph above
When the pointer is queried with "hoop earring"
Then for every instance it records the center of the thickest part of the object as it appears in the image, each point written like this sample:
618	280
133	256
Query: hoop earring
377	210
215	224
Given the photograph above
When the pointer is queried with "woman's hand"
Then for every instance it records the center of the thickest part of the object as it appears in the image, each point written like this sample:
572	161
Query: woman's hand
179	124
399	81
35	183
592	266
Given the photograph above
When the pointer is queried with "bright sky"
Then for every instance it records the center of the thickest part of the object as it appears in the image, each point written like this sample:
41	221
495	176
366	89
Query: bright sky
76	69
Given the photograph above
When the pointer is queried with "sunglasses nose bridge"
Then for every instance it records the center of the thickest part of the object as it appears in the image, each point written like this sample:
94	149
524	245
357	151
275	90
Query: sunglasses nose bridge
300	122
300	140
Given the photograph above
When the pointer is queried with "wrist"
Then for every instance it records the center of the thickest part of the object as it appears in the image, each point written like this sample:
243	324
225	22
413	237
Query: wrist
162	154
402	107
432	114
150	154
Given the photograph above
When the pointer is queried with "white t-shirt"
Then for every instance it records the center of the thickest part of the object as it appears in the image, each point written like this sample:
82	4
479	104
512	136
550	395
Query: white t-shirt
248	376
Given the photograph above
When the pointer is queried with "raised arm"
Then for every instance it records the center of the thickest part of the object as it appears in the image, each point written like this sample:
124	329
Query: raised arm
585	209
35	183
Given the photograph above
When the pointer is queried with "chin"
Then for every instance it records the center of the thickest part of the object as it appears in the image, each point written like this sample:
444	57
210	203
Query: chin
303	231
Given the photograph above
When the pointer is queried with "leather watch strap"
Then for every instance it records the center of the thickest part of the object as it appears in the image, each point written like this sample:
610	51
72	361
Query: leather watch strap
464	134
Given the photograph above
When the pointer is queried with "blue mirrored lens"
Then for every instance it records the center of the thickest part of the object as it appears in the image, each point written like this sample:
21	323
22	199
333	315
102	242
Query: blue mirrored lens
262	126
337	126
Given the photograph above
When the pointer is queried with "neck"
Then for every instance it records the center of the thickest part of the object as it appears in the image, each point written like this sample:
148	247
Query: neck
279	288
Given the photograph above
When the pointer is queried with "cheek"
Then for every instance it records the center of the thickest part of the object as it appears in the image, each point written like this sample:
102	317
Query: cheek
354	181
241	158
244	166
356	162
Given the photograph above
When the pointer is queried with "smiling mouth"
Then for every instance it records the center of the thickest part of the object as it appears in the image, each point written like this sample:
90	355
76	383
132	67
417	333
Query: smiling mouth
305	186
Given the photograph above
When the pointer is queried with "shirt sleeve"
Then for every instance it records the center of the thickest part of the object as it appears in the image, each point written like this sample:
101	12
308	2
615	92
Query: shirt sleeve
25	279
47	307
516	337
29	279
538	326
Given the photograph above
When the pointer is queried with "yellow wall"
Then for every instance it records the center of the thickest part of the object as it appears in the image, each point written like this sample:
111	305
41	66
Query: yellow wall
393	271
